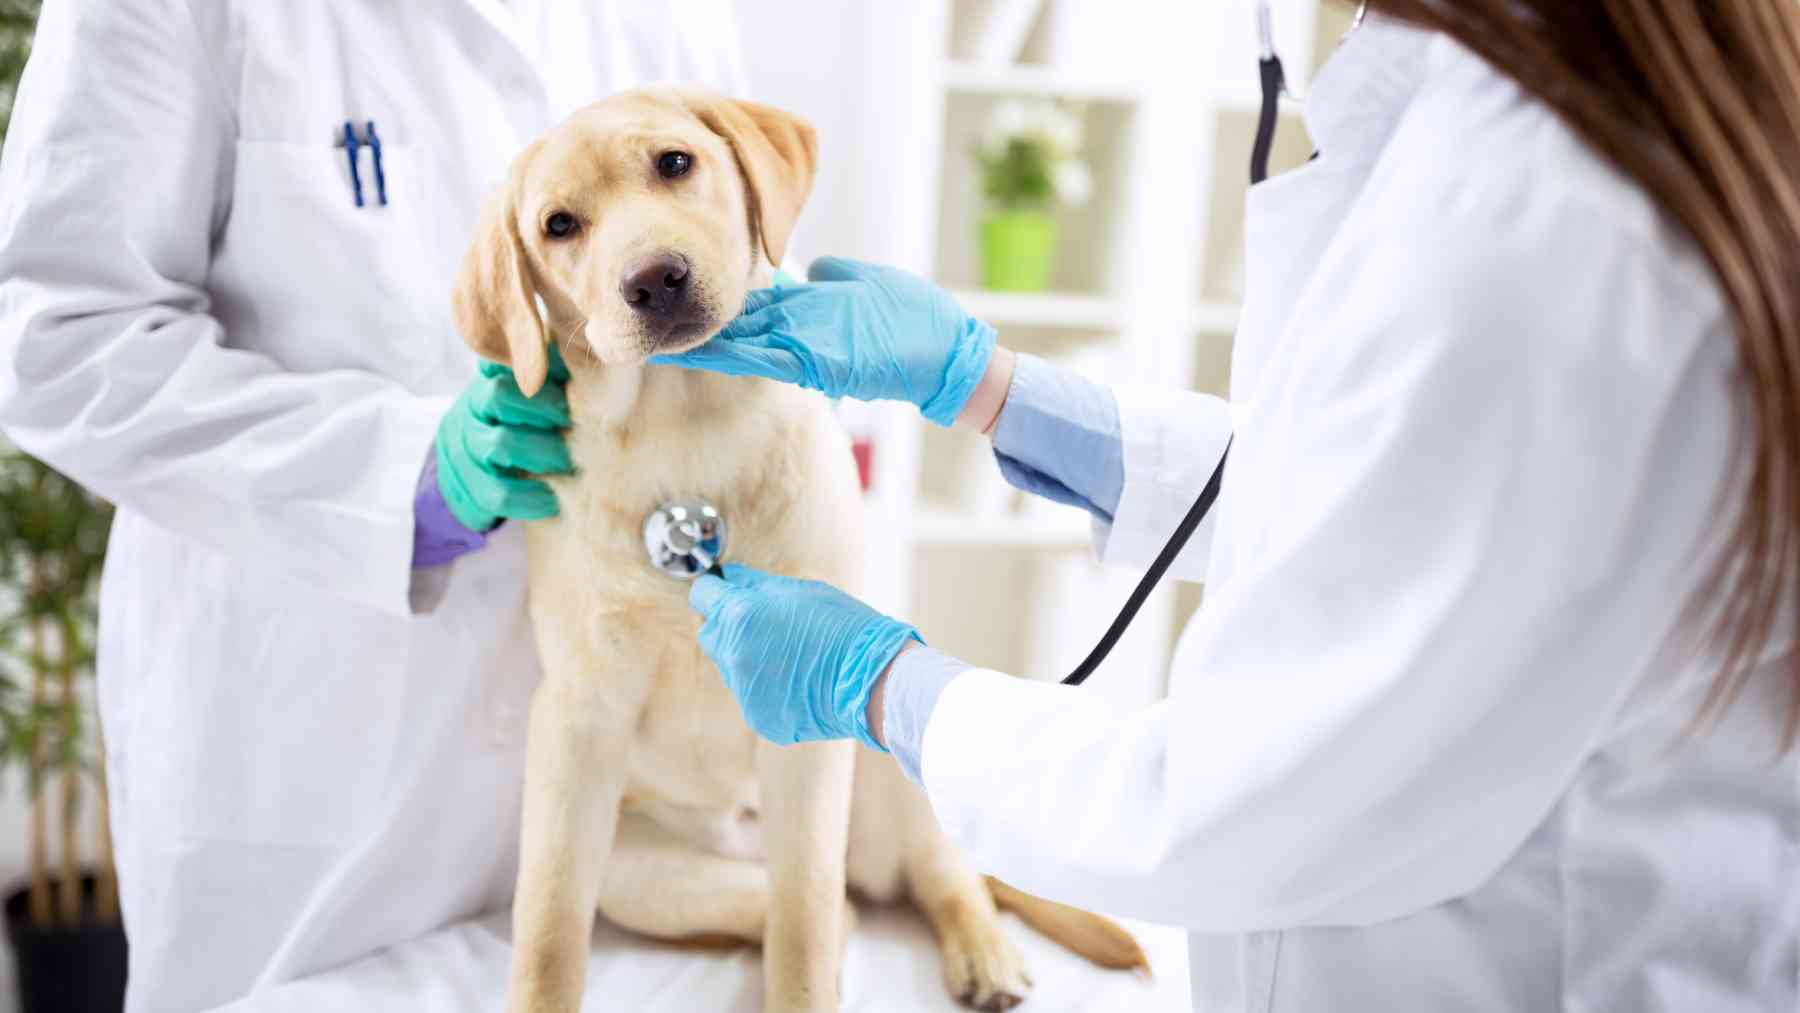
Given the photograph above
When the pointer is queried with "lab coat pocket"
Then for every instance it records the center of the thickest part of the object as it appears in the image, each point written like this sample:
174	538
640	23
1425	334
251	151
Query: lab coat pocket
303	274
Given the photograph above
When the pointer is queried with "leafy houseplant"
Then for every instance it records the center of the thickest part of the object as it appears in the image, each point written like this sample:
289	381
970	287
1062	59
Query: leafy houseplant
1030	163
18	19
52	542
64	922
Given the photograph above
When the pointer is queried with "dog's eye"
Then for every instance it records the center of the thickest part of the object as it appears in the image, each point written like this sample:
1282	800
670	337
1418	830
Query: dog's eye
561	225
671	164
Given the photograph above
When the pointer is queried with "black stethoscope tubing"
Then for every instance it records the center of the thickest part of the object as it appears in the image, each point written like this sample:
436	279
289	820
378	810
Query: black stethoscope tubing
1178	541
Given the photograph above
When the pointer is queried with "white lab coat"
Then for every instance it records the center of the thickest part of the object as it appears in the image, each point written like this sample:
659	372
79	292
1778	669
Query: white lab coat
196	322
1418	752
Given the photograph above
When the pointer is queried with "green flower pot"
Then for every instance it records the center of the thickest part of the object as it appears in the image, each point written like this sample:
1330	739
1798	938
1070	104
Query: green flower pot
1017	251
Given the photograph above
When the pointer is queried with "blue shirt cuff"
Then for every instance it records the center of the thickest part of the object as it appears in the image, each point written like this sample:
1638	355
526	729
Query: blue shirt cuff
1058	437
914	682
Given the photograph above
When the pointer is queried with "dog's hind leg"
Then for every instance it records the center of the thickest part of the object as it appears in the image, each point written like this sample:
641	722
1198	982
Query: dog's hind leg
661	886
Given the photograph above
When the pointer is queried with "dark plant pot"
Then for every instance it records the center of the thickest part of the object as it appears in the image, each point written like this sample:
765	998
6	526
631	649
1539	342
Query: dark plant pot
67	968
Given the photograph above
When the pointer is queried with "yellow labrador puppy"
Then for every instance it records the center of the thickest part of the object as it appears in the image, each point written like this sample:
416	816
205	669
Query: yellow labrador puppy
638	225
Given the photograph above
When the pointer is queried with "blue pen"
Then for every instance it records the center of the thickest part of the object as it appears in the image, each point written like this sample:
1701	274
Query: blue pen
374	143
350	145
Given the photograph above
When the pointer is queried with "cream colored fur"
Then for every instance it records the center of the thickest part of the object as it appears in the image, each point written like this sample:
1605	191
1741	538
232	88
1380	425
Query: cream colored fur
647	797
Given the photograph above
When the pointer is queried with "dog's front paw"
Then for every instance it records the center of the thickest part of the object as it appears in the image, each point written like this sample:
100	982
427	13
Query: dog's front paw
982	968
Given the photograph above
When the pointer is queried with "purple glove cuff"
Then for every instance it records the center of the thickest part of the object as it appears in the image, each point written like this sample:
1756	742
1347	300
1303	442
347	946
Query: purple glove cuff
438	537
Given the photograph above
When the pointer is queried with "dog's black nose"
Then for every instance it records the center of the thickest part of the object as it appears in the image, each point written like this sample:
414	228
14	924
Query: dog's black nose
656	285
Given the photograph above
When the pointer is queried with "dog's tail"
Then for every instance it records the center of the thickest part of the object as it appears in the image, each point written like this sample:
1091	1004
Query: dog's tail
1101	940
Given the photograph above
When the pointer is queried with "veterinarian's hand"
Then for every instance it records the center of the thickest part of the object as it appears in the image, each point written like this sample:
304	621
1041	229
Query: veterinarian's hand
492	435
800	656
860	330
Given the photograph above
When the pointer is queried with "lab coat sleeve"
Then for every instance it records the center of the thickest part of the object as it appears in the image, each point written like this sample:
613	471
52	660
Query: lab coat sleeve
116	172
1172	441
1463	565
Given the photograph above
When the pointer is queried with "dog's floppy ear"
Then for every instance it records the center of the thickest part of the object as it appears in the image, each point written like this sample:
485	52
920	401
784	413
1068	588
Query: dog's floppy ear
495	302
777	152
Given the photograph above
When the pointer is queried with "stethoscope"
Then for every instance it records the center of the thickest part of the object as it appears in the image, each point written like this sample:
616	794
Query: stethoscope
686	537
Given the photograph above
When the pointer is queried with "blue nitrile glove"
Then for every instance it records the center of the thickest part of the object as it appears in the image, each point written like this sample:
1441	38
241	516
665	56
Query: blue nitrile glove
492	435
860	330
800	656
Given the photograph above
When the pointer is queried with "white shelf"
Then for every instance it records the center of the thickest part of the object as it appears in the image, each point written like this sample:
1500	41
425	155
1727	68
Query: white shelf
1023	79
1217	318
937	526
1043	309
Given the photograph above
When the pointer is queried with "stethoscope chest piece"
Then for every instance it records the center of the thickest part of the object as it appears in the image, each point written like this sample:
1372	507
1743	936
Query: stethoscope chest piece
685	537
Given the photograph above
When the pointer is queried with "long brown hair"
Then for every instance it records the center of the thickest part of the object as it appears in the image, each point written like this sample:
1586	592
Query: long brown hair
1698	101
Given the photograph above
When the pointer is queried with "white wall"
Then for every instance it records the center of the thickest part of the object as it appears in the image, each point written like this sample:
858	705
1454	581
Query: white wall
838	65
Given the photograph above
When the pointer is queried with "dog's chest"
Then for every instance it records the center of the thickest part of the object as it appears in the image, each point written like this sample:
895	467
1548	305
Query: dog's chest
756	487
770	459
781	474
693	759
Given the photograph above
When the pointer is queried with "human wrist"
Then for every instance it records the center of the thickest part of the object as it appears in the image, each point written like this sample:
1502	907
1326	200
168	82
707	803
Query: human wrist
877	707
984	406
970	355
909	698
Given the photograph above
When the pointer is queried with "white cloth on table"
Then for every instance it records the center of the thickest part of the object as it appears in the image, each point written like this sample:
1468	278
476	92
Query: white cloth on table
892	966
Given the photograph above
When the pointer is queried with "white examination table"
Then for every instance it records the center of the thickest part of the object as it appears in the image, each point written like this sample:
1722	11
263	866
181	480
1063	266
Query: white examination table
892	966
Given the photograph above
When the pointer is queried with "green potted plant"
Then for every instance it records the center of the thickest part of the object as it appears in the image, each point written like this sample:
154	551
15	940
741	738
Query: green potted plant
64	921
18	19
1030	163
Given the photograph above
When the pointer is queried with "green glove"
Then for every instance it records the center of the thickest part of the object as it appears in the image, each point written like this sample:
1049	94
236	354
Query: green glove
493	436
